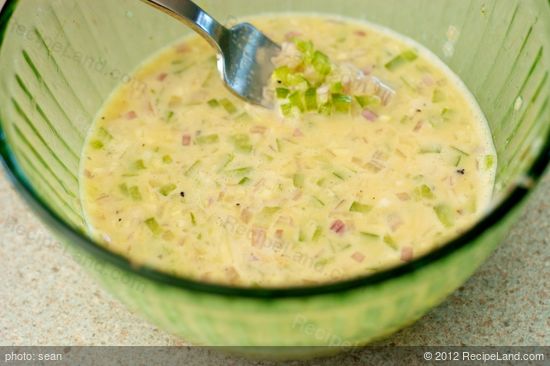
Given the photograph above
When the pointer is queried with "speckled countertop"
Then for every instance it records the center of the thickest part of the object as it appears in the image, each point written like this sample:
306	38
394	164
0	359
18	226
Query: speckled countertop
46	299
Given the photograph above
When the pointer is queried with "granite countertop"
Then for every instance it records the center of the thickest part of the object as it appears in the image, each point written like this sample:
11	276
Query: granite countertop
46	299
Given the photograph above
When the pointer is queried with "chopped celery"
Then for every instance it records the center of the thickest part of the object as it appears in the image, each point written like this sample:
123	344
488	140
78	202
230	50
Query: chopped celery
337	88
244	181
96	144
124	189
228	106
367	100
445	215
370	235
243	117
438	96
281	74
207	139
169	116
489	161
342	102
153	225
305	47
139	165
359	207
302	235
193	219
268	212
167	159
423	191
401	59
241	171
192	168
298	180
326	109
213	103
167	189
321	63
319	201
242	143
390	241
282	93
447	113
135	193
104	134
295	100
339	175
311	99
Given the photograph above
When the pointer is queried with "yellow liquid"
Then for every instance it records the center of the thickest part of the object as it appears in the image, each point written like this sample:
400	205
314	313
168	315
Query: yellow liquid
237	194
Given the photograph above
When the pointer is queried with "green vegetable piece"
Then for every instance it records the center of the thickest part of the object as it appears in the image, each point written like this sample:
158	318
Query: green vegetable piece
213	103
282	93
135	193
367	100
207	139
424	191
279	145
295	99
167	159
370	236
461	152
401	59
192	168
302	236
124	189
390	241
228	106
242	143
489	161
319	201
337	88
103	134
342	102
286	109
305	47
241	171
326	109
311	99
228	159
193	219
445	215
339	175
281	74
321	63
169	116
139	165
97	145
438	96
167	189
434	149
270	211
447	113
317	233
359	207
298	180
153	225
244	181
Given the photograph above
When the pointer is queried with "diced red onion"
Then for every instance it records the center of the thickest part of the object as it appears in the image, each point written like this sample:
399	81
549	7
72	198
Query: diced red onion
360	33
131	115
358	257
406	254
186	140
258	236
338	227
370	115
162	76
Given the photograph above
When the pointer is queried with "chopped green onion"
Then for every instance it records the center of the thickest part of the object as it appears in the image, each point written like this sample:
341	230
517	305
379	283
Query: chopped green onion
438	96
96	144
359	207
461	152
213	103
401	59
169	116
445	215
207	139
241	171
282	93
244	181
167	159
193	219
298	180
390	241
489	161
319	201
342	102
435	149
317	233
104	134
124	189
228	159
228	106
447	113
167	189
311	99
242	143
135	193
153	225
339	175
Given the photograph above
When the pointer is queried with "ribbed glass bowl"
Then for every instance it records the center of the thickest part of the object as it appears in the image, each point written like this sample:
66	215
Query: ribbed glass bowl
61	59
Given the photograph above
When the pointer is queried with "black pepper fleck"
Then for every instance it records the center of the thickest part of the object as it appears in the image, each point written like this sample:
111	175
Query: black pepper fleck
461	171
182	194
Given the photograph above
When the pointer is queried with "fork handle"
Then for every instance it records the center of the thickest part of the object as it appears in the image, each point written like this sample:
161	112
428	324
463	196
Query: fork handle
193	16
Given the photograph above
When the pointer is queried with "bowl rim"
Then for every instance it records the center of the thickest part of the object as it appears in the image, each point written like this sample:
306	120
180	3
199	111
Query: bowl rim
22	185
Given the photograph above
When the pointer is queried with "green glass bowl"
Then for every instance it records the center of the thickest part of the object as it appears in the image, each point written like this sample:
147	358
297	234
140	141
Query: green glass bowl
61	59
